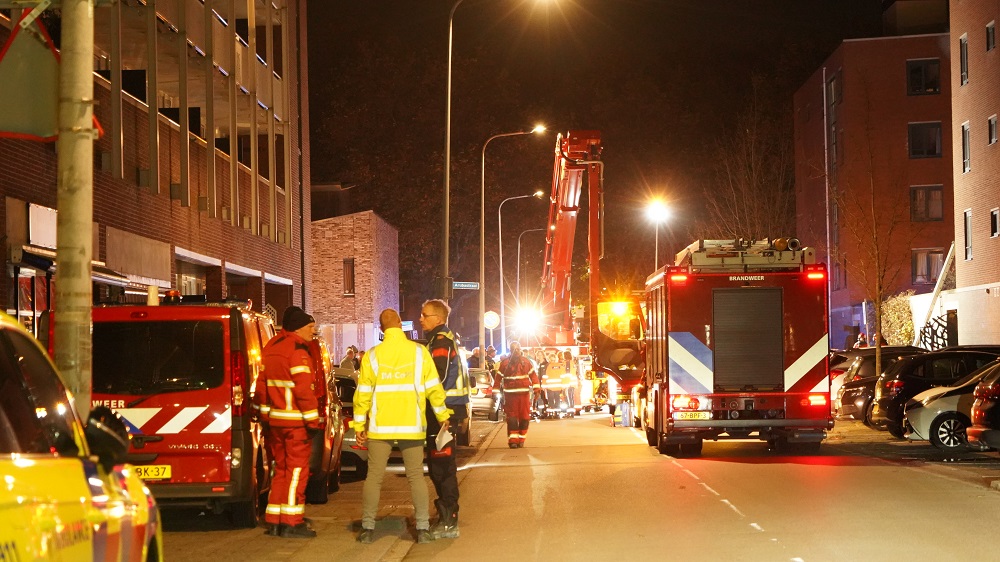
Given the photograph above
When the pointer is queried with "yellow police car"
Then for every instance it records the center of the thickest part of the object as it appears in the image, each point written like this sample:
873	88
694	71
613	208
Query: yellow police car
57	501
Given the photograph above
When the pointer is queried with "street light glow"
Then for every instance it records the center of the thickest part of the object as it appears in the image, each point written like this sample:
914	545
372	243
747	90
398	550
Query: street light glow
527	321
657	211
538	193
538	129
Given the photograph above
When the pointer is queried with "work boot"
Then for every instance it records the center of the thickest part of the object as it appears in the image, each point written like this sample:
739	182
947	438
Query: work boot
447	524
367	536
424	536
274	529
300	531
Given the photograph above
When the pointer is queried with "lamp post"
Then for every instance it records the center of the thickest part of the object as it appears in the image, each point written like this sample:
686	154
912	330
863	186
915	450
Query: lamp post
482	240
657	212
517	291
445	289
503	311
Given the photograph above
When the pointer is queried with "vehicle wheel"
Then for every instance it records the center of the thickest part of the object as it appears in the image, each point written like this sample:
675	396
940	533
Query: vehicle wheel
691	449
317	489
334	482
651	437
948	432
362	470
494	415
665	448
248	513
867	418
895	429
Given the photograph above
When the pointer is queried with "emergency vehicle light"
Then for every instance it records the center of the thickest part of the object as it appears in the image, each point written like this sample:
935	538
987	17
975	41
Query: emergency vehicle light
238	374
814	400
678	278
683	402
816	275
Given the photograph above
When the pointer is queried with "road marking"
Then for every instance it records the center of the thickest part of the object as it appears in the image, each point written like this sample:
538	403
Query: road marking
756	527
733	507
709	488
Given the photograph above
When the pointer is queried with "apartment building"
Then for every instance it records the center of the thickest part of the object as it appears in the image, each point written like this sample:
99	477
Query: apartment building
973	306
201	179
873	171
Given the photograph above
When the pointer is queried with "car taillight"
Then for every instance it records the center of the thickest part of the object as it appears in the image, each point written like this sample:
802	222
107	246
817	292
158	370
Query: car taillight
347	424
988	392
238	373
834	373
892	387
685	403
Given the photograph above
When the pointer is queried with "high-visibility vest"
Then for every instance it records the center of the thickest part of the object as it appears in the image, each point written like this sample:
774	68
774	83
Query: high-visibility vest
397	379
444	344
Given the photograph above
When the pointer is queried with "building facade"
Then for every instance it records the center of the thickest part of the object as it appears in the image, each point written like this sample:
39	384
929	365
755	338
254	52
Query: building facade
355	268
208	193
973	306
873	176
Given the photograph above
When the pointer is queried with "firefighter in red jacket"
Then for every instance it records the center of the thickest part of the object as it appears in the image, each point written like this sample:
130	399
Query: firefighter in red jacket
519	383
285	399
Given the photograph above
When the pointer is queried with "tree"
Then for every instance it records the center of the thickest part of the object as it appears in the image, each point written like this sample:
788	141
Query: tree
752	196
897	319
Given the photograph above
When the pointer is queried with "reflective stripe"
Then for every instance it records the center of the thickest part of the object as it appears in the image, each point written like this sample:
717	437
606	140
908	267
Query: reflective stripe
292	485
280	383
273	509
366	388
310	415
398	429
360	418
417	387
516	390
514	377
300	369
293	509
289	415
393	387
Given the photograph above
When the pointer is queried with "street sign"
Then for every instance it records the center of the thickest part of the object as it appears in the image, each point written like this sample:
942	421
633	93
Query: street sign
465	285
491	319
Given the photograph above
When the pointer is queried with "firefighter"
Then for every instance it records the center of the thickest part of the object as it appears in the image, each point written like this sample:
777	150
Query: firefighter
570	379
519	381
443	344
550	374
396	384
285	400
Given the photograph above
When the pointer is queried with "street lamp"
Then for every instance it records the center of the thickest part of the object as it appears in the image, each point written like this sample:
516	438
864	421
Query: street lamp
482	240
657	212
517	291
447	164
503	312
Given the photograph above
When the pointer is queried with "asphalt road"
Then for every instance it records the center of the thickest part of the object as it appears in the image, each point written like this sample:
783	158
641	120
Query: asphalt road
583	490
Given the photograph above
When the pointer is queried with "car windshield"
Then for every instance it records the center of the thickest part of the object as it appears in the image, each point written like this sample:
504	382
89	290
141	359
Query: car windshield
147	358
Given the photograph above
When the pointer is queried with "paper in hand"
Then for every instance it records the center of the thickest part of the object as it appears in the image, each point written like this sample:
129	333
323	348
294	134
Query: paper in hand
443	438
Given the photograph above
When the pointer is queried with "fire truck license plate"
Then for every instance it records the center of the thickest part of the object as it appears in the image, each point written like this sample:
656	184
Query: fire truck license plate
153	471
691	415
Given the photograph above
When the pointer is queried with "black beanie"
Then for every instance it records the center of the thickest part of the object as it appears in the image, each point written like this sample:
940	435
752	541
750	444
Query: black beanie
295	318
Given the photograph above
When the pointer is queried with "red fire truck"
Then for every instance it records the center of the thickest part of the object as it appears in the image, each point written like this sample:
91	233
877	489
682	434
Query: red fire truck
737	347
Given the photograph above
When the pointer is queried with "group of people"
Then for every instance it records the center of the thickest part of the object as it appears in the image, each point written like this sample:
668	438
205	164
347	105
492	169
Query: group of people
387	413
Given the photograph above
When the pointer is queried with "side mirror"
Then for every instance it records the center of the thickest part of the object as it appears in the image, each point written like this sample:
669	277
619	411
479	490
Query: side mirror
107	437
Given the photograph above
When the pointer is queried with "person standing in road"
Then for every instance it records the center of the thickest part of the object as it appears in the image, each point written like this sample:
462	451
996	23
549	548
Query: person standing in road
285	401
443	344
570	379
519	382
397	381
550	375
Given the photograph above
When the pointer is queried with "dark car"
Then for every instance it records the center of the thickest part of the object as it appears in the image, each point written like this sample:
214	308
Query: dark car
325	459
854	401
985	428
912	375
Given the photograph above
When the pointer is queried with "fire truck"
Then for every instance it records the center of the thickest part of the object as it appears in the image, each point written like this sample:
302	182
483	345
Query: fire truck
612	326
737	347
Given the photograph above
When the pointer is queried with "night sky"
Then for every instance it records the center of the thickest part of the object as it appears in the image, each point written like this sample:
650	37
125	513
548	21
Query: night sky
663	80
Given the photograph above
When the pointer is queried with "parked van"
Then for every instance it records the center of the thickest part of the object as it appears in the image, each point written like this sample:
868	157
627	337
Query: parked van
181	375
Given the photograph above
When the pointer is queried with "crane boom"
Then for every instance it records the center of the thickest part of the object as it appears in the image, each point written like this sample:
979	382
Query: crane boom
577	165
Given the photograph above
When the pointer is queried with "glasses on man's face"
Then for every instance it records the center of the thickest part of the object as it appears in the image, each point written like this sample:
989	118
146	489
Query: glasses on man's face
423	315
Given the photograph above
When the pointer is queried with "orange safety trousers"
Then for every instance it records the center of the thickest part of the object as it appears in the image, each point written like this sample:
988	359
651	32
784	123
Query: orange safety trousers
290	448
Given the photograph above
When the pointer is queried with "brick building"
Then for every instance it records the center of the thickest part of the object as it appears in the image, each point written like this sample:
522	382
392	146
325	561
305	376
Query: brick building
355	271
873	171
207	193
972	308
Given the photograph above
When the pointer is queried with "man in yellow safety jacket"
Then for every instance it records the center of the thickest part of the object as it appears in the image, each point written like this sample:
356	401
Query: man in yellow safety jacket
398	378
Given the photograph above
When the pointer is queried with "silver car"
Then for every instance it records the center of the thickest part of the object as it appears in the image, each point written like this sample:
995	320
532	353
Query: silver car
941	414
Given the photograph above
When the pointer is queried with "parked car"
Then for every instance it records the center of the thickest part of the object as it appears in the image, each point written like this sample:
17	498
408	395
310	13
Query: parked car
181	376
941	415
911	375
985	415
53	488
325	460
862	366
482	391
353	457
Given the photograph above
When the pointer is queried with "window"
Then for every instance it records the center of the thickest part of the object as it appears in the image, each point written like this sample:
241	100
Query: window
927	264
966	149
925	140
991	130
968	234
991	36
349	276
926	203
994	223
923	77
963	49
